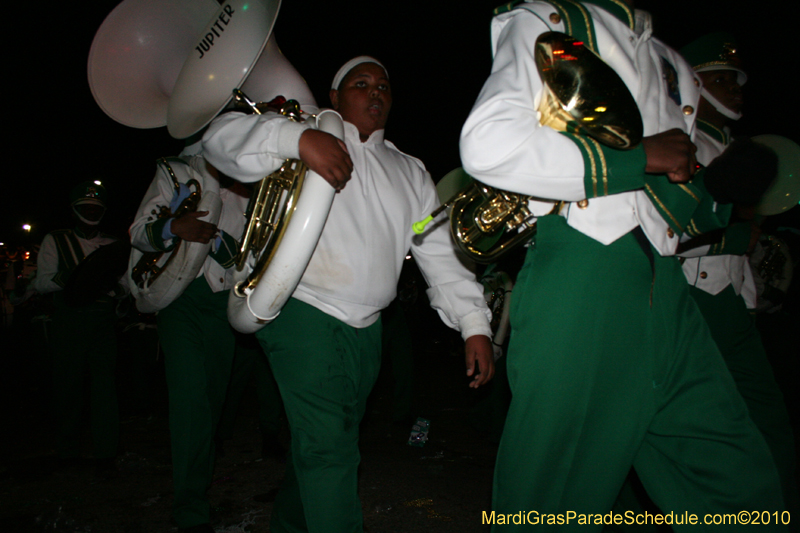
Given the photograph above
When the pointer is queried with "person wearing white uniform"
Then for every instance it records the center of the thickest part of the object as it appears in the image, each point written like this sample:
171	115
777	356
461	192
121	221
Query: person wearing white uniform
609	357
324	347
719	273
194	332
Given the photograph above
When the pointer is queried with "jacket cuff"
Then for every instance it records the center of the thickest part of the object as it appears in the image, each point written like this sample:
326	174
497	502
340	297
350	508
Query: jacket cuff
607	170
289	139
709	215
226	252
475	323
155	231
735	240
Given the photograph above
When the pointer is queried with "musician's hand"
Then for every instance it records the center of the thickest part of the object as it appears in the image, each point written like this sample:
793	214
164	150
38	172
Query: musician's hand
189	228
479	357
672	153
327	156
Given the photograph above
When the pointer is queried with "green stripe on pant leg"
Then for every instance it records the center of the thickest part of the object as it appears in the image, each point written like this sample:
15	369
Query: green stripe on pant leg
325	370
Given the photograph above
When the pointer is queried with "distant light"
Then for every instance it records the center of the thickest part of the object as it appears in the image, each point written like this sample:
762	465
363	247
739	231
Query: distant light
26	227
27	255
408	256
97	182
600	109
2	244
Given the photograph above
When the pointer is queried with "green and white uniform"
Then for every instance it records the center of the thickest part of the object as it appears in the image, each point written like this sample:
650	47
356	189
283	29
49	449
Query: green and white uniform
721	283
610	362
325	346
198	344
83	341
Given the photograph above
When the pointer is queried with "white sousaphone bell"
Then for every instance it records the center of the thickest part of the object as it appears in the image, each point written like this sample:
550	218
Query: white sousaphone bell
137	54
176	63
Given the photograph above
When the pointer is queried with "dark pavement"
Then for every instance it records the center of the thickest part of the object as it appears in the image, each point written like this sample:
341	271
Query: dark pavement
440	487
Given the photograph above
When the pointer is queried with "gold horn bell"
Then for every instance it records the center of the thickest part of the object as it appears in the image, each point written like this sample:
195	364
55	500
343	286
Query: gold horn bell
581	95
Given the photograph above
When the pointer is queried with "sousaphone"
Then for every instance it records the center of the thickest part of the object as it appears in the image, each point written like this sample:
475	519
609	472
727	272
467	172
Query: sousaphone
236	52
232	49
134	62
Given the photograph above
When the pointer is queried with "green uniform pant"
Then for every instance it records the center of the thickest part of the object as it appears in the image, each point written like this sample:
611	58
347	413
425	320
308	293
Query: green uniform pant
198	348
249	362
84	343
733	329
325	370
611	366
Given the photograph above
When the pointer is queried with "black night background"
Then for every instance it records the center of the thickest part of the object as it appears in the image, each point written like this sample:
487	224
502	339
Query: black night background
437	54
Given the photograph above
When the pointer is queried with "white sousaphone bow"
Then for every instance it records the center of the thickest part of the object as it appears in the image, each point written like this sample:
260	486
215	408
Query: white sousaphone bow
176	63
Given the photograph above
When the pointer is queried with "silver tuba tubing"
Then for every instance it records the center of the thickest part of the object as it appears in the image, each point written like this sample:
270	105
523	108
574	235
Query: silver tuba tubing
256	307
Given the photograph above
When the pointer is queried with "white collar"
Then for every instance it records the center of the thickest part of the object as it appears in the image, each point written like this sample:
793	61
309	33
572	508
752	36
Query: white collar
351	134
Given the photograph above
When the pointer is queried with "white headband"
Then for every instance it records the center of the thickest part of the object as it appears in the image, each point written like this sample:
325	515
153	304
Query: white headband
350	65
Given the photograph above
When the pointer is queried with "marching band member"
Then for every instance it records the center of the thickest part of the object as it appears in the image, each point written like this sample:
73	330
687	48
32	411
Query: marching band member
83	337
194	332
610	364
324	347
719	275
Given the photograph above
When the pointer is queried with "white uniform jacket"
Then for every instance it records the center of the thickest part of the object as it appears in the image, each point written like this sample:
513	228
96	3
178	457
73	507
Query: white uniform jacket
160	193
47	265
355	267
713	273
504	145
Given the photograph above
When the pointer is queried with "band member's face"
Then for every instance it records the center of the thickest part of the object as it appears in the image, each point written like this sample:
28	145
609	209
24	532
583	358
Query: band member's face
91	212
723	86
364	98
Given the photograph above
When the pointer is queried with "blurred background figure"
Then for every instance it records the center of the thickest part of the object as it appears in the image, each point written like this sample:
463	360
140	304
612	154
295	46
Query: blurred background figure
83	342
718	269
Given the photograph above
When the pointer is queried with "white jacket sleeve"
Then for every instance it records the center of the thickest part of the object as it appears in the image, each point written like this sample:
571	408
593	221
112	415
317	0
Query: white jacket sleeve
46	267
502	142
453	292
250	147
146	228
